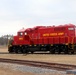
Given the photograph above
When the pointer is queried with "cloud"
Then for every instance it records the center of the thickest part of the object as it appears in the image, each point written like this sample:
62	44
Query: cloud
15	14
11	27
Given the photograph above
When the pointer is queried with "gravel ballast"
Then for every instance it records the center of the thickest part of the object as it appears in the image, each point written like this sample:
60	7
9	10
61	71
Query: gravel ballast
31	69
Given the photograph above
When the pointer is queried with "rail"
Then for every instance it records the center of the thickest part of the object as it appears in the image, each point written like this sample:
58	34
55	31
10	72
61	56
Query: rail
47	65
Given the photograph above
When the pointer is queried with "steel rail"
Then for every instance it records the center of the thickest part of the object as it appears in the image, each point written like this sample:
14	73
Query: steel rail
47	65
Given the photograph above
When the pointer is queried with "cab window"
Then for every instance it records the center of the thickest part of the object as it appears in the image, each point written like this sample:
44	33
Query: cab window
20	34
25	33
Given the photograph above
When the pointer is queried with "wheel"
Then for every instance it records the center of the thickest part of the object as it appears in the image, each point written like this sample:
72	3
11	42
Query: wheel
25	51
16	51
10	50
66	50
32	52
53	52
22	51
59	52
72	52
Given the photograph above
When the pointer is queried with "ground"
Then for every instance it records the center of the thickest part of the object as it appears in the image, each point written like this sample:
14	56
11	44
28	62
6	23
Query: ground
5	71
62	58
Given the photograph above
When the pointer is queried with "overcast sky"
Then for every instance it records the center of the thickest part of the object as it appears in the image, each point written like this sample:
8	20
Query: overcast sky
16	14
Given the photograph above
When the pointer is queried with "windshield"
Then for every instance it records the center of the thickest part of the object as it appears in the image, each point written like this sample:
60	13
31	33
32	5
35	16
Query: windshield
20	34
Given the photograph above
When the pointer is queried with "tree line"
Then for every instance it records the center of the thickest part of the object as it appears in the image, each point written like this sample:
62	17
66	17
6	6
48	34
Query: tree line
5	39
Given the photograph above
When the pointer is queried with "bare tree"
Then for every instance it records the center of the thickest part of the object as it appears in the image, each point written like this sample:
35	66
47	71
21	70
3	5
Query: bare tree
4	39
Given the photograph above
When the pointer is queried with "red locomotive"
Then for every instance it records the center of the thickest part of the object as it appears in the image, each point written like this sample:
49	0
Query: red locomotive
55	39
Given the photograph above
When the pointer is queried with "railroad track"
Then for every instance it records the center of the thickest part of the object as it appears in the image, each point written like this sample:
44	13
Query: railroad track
46	65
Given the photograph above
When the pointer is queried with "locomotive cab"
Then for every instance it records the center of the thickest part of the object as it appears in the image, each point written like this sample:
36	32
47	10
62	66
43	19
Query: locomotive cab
23	37
20	33
19	42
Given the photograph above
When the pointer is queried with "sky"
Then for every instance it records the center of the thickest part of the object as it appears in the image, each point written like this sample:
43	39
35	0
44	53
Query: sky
18	14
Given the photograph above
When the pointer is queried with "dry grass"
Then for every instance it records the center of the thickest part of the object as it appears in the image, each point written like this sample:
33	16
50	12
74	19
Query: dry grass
7	71
62	58
3	49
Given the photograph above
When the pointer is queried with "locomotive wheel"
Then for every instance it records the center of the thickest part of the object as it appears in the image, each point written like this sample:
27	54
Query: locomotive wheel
59	52
32	52
16	51
53	52
10	51
66	52
72	52
19	51
24	51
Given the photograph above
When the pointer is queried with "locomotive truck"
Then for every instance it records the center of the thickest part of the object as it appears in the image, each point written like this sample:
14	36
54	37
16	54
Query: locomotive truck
54	39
